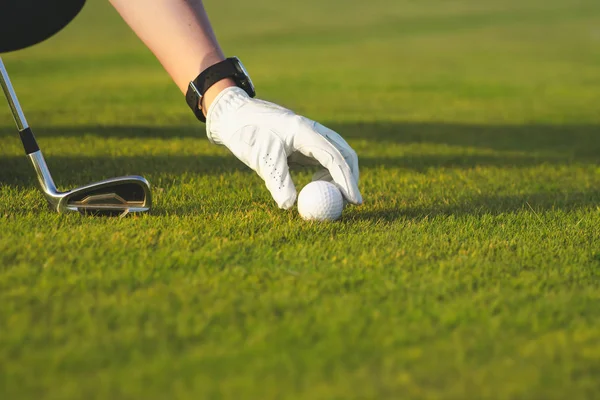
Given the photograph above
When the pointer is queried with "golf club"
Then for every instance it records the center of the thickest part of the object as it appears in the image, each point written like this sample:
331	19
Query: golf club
115	196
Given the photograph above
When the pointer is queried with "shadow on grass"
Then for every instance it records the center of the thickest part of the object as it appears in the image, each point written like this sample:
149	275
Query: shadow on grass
534	145
537	202
583	139
17	171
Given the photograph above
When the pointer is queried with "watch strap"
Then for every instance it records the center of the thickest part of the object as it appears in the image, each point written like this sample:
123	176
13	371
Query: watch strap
211	75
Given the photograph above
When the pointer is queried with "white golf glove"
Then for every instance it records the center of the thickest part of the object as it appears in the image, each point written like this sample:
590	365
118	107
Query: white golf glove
265	136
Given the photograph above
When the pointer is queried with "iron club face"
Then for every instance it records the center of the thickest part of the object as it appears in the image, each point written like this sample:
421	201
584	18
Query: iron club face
115	196
112	197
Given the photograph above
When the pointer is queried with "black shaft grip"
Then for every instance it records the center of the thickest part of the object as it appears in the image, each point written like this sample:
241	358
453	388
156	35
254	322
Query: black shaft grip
29	143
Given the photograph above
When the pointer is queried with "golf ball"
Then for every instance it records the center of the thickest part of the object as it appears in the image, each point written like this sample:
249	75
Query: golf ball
320	201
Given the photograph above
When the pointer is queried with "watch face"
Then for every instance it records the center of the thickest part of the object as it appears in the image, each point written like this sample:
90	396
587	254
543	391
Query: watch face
246	78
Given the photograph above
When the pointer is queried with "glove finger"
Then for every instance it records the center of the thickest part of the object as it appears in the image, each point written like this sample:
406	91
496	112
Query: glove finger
279	181
268	160
299	159
344	148
312	144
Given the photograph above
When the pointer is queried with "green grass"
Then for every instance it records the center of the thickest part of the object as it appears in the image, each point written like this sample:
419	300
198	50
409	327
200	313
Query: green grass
471	271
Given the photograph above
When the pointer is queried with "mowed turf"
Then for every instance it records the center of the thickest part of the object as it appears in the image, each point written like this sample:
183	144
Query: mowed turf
471	271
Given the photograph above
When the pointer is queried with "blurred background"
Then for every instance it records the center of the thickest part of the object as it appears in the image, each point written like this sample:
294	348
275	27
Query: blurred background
494	61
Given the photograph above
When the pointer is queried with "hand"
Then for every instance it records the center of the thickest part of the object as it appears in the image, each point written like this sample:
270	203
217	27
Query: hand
265	137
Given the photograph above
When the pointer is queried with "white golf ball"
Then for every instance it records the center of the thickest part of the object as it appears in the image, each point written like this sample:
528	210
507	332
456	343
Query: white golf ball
320	201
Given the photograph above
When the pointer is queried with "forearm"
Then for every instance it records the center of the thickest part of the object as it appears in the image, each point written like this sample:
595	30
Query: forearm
178	32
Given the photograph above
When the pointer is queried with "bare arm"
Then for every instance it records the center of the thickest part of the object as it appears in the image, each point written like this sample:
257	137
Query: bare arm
179	34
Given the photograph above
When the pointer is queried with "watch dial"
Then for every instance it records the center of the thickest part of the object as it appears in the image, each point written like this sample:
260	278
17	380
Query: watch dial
242	69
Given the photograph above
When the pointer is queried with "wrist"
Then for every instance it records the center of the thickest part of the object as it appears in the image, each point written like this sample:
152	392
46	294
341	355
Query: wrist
212	81
224	108
213	92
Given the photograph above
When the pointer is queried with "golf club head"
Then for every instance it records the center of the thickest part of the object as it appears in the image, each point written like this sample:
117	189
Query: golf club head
111	197
24	23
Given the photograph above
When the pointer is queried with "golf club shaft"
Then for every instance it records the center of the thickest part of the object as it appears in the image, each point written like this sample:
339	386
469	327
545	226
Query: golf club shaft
29	143
11	96
27	137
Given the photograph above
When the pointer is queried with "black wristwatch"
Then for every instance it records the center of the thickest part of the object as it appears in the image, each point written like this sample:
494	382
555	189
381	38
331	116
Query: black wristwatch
229	68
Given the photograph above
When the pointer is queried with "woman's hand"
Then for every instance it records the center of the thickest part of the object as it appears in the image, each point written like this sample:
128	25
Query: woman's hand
266	137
